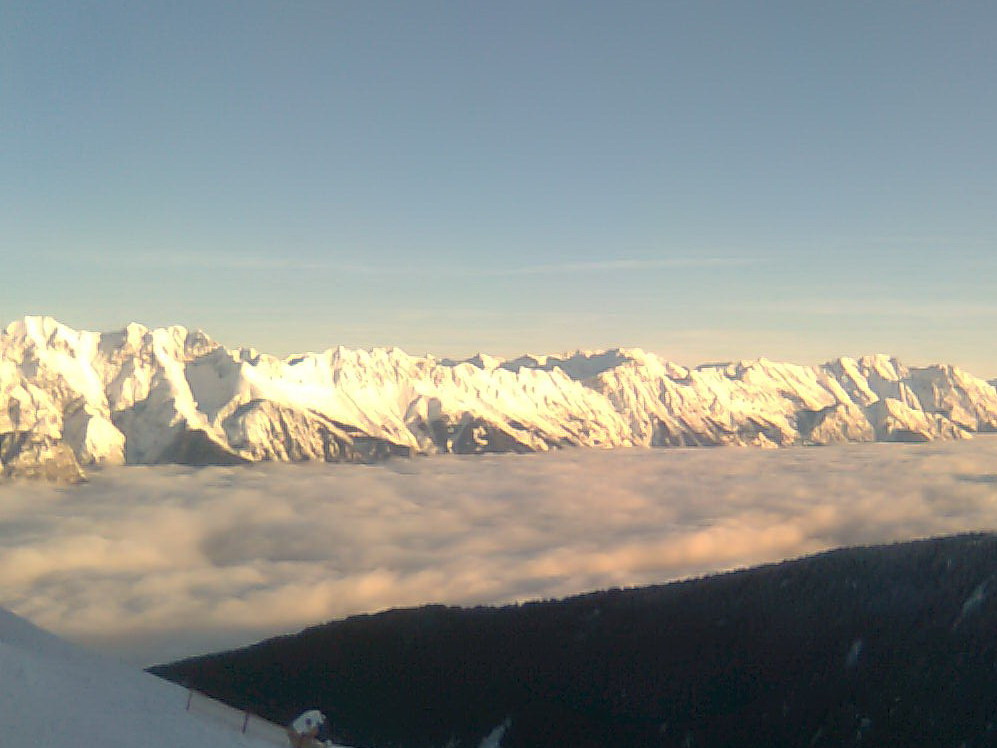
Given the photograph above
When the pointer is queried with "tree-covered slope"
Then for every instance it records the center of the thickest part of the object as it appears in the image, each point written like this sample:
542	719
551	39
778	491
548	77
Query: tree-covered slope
891	645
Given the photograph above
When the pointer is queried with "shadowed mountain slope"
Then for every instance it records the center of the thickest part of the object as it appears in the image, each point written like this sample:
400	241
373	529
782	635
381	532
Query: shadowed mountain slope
889	645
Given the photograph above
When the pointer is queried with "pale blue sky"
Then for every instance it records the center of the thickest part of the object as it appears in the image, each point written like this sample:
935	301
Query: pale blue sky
707	180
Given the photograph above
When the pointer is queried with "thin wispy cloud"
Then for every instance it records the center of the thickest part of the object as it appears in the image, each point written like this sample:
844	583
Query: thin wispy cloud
628	265
222	261
415	266
156	563
845	306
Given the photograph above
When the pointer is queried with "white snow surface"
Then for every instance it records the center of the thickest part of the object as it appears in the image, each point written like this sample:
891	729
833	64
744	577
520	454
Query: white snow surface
143	395
53	693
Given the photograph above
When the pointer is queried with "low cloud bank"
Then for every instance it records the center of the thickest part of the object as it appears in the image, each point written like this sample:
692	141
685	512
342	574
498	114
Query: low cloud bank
154	563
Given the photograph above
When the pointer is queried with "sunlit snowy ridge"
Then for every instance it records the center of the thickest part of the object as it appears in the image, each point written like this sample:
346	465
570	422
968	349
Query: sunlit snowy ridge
74	398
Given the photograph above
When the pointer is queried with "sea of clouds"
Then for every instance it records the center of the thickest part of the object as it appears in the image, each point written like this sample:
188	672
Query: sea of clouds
154	563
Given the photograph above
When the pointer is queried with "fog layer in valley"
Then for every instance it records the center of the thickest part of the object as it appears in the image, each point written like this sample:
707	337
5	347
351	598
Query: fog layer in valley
156	563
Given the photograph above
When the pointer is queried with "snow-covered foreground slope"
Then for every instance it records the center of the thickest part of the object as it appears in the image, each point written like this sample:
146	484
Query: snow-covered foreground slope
56	695
71	399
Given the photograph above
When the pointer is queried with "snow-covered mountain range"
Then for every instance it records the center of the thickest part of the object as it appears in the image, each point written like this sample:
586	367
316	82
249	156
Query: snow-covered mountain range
69	399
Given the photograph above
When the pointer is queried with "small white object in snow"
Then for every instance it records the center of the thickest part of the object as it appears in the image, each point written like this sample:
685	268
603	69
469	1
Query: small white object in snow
308	721
303	730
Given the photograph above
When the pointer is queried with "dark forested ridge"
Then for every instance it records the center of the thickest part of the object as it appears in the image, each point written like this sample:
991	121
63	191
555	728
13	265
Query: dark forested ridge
883	646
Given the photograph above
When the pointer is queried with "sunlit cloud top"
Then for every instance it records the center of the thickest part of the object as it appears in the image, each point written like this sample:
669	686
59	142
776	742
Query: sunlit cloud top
156	563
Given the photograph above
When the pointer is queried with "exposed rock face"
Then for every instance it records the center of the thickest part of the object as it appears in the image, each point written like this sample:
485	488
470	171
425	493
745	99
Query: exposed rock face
24	455
841	422
171	395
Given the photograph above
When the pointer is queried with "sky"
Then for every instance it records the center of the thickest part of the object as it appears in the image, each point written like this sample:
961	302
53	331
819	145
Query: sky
706	180
151	564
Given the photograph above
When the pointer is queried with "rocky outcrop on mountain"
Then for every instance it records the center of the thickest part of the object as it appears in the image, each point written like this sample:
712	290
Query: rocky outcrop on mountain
27	455
841	422
149	396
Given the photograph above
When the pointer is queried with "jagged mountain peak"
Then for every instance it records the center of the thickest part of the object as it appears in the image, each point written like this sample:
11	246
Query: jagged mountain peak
171	394
583	364
480	360
43	332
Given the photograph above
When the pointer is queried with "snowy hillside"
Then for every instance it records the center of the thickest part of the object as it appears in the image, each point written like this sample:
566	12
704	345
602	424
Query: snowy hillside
55	694
70	399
